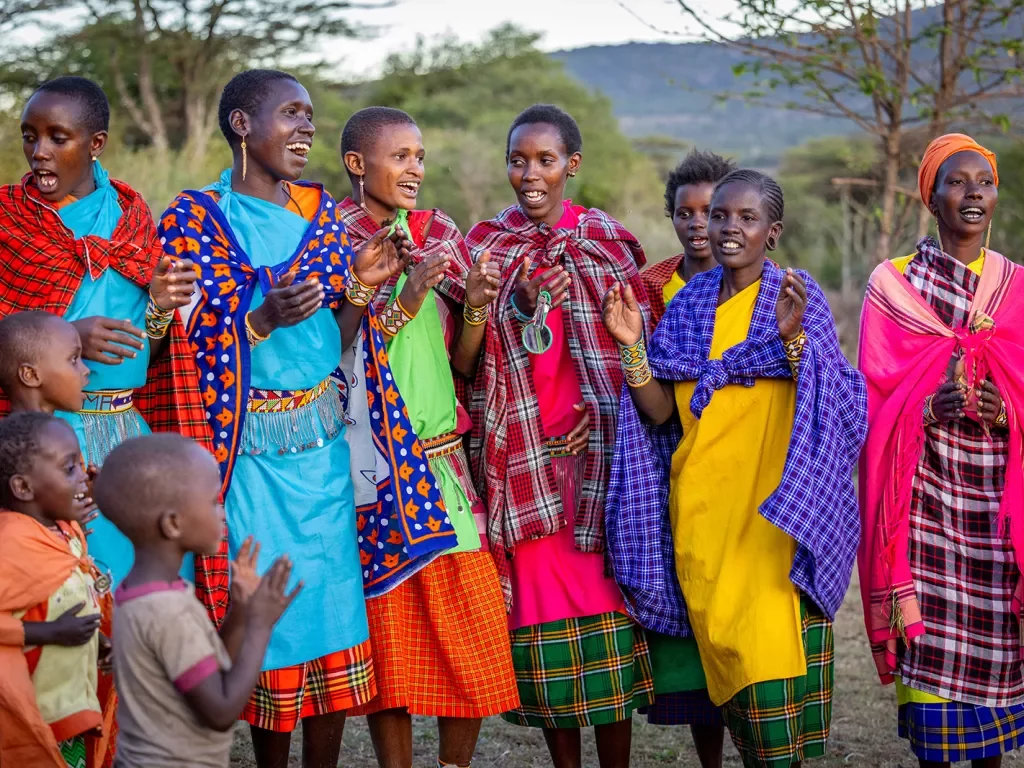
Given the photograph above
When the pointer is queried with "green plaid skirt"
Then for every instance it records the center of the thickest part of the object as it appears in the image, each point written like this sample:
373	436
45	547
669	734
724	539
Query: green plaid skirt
576	673
779	722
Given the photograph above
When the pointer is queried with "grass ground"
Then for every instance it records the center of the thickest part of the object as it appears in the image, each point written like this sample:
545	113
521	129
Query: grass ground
863	726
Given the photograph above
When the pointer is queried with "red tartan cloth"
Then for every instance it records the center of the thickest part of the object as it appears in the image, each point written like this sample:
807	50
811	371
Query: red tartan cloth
511	465
655	277
444	237
41	267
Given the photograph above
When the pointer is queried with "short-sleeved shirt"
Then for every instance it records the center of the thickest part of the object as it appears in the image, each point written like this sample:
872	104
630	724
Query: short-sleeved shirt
164	646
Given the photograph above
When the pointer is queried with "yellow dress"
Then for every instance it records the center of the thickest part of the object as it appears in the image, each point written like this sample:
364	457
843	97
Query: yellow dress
671	288
733	565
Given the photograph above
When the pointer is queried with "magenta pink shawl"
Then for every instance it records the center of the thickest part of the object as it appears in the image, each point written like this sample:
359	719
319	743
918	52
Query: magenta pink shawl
904	352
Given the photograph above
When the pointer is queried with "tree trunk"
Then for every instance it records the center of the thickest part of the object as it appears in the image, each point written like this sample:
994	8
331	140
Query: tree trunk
147	90
891	148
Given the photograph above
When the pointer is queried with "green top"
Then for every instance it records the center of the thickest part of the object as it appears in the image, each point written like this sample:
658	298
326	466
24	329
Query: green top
422	371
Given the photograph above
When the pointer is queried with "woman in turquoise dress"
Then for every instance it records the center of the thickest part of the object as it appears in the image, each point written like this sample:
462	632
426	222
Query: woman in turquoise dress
282	297
94	259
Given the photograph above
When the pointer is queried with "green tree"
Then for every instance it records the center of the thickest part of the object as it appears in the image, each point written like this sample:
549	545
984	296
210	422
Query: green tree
888	67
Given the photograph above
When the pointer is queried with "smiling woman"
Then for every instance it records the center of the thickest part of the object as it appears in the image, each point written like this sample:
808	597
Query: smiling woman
283	298
940	577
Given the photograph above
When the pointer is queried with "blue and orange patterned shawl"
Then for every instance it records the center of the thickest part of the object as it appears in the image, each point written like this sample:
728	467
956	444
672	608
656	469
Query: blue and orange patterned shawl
416	528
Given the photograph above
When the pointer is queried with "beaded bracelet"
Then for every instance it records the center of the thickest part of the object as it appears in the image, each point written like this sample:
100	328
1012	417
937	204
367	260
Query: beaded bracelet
359	293
394	318
794	350
250	333
158	320
929	413
520	315
475	315
634	363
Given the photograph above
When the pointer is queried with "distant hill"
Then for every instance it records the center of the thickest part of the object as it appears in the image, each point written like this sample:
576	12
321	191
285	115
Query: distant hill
670	89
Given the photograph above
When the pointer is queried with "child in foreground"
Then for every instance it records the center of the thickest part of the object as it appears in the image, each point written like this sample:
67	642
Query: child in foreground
181	685
41	366
49	652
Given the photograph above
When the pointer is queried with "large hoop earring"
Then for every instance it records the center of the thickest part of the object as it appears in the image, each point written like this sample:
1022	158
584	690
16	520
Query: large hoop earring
362	195
245	160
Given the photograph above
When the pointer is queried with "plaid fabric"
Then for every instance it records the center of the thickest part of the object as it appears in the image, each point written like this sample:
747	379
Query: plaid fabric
444	237
654	279
963	567
779	722
332	683
41	267
511	467
575	673
955	732
440	642
195	224
73	751
683	708
815	503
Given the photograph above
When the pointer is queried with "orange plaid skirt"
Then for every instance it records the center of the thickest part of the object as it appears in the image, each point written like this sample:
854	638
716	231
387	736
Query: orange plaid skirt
333	683
440	642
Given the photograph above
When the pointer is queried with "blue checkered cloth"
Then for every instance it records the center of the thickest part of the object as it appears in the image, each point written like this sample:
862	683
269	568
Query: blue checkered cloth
815	502
683	708
955	732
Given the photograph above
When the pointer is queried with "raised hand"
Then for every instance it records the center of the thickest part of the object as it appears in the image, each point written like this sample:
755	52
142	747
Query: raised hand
790	306
382	256
85	508
286	304
579	438
622	316
422	278
555	281
173	281
990	402
244	578
270	601
109	341
482	282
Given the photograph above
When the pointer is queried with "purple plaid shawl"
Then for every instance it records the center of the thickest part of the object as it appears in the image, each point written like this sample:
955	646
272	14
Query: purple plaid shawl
815	501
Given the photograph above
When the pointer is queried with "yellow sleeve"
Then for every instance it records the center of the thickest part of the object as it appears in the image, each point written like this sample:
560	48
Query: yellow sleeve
901	262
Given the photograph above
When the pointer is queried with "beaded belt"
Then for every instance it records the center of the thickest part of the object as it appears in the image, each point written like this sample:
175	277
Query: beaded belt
281	400
108	401
558	447
443	445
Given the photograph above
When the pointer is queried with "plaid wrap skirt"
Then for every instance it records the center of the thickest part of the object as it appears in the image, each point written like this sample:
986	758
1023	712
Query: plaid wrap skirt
954	732
440	642
575	673
778	722
333	683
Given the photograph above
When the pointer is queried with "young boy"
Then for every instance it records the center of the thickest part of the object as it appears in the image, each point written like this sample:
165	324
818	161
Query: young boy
41	366
181	685
49	651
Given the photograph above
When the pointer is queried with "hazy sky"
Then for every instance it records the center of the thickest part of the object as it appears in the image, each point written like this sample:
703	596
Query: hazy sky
565	24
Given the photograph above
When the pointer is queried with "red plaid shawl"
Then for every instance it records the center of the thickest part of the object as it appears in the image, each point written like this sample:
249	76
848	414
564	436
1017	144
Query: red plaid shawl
41	267
510	463
655	277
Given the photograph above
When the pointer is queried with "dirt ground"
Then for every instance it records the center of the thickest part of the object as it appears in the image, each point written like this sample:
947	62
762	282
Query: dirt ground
863	726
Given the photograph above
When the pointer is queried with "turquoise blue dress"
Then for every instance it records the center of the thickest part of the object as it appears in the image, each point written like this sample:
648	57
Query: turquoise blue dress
296	502
101	426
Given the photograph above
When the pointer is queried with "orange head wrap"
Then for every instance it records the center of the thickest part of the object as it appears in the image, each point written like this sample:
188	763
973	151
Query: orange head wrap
939	151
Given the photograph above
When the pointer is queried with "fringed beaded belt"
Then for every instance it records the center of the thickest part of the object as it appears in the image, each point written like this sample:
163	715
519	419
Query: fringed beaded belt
558	447
443	445
292	420
108	419
108	401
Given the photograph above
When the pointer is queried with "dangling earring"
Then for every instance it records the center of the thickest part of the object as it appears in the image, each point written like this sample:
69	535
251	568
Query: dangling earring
572	174
988	235
362	195
245	159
